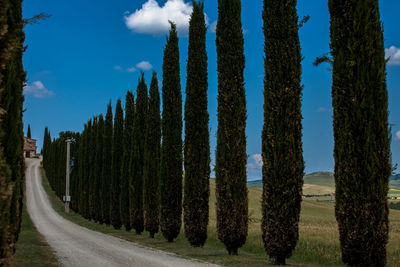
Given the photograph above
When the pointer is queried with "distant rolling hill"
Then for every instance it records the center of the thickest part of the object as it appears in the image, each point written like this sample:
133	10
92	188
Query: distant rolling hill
321	183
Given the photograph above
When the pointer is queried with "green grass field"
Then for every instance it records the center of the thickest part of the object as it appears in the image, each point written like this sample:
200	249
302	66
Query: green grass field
318	244
31	248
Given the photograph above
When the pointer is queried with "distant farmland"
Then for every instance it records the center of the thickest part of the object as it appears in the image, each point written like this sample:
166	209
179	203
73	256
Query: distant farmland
323	183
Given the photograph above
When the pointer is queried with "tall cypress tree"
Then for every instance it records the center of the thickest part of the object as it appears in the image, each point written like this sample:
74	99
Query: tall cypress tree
139	132
29	131
171	151
125	172
92	168
197	147
281	137
98	169
86	183
12	78
360	124
231	157
107	170
151	173
118	151
81	167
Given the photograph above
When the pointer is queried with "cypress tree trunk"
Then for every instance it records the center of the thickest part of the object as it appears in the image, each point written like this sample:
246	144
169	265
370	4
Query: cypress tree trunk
98	169
231	157
281	137
197	147
171	151
139	132
118	151
360	123
29	131
125	173
151	174
107	171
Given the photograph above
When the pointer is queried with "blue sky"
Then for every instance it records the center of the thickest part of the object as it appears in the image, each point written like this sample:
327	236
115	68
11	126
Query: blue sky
91	52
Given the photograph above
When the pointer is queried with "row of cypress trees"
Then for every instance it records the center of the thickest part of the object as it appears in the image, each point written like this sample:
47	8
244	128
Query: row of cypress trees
362	152
138	181
12	166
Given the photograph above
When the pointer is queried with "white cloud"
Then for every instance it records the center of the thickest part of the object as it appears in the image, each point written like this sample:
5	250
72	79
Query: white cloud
398	135
254	163
321	109
213	27
394	54
131	69
38	90
118	68
153	19
144	65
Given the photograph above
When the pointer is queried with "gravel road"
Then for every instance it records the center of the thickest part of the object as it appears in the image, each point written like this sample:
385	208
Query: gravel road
78	246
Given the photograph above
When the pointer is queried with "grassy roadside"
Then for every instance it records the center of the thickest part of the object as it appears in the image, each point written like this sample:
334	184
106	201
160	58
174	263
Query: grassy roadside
32	248
318	244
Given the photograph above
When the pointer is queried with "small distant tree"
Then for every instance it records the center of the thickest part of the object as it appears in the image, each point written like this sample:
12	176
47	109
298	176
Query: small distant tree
231	157
29	131
107	168
125	172
151	174
171	151
197	147
139	132
118	151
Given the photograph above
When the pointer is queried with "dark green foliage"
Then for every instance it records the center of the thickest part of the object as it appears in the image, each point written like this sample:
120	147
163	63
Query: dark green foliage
118	151
231	157
107	170
197	147
74	175
92	168
125	173
151	173
6	190
171	151
12	165
137	157
98	169
86	171
29	131
360	123
281	136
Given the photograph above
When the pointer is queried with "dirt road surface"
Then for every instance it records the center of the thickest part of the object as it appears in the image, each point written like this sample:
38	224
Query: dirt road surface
78	246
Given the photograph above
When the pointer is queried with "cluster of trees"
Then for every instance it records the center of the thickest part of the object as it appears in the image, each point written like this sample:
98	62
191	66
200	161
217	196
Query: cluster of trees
139	181
12	166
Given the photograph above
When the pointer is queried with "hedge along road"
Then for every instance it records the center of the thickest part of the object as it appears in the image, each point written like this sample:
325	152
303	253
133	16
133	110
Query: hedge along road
77	246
